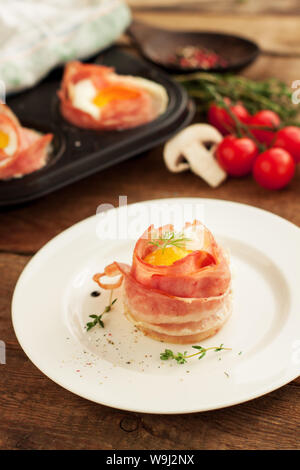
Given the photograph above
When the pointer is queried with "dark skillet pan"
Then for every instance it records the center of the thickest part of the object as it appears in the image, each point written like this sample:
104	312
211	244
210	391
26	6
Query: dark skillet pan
159	45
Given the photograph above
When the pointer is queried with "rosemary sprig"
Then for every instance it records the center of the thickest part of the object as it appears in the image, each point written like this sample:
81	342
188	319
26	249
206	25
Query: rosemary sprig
97	319
170	239
181	358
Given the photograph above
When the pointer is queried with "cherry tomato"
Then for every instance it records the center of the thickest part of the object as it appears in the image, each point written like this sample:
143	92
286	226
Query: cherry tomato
288	139
274	168
219	117
264	118
237	155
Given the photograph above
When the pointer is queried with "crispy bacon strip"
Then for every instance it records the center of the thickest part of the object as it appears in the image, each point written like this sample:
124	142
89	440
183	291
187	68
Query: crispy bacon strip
187	301
118	114
111	270
202	273
30	148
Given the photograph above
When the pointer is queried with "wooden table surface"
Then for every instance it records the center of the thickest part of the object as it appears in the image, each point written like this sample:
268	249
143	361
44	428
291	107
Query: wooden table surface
35	413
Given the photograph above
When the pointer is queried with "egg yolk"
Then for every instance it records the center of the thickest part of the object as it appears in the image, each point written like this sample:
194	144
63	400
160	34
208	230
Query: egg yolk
166	256
4	140
114	92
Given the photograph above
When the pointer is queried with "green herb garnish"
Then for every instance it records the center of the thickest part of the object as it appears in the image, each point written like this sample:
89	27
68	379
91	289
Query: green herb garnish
170	239
97	319
181	358
270	93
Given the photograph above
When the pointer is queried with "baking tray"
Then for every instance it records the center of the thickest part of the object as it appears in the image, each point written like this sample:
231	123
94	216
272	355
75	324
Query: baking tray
78	153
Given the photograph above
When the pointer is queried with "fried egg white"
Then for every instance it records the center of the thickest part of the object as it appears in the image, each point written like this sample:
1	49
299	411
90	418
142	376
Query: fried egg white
85	96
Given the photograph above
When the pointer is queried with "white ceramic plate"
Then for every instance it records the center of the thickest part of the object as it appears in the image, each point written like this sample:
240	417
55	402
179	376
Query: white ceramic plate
118	366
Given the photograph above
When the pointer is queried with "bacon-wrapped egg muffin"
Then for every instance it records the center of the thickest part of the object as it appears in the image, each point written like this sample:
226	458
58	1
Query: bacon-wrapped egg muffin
95	97
22	150
178	288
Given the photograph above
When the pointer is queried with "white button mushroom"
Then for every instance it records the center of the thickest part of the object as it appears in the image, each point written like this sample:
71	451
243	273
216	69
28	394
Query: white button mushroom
193	148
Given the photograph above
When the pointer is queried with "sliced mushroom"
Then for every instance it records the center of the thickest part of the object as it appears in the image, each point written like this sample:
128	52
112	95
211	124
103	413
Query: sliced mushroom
193	148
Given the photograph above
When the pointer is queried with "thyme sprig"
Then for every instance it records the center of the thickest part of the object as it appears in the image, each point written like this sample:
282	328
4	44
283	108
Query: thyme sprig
170	239
241	128
181	358
97	319
270	93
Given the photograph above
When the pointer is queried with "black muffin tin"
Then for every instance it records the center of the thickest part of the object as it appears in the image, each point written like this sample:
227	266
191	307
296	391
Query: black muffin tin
78	153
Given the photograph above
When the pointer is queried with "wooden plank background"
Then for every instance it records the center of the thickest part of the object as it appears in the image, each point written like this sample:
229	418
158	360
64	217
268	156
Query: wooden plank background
274	33
283	7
